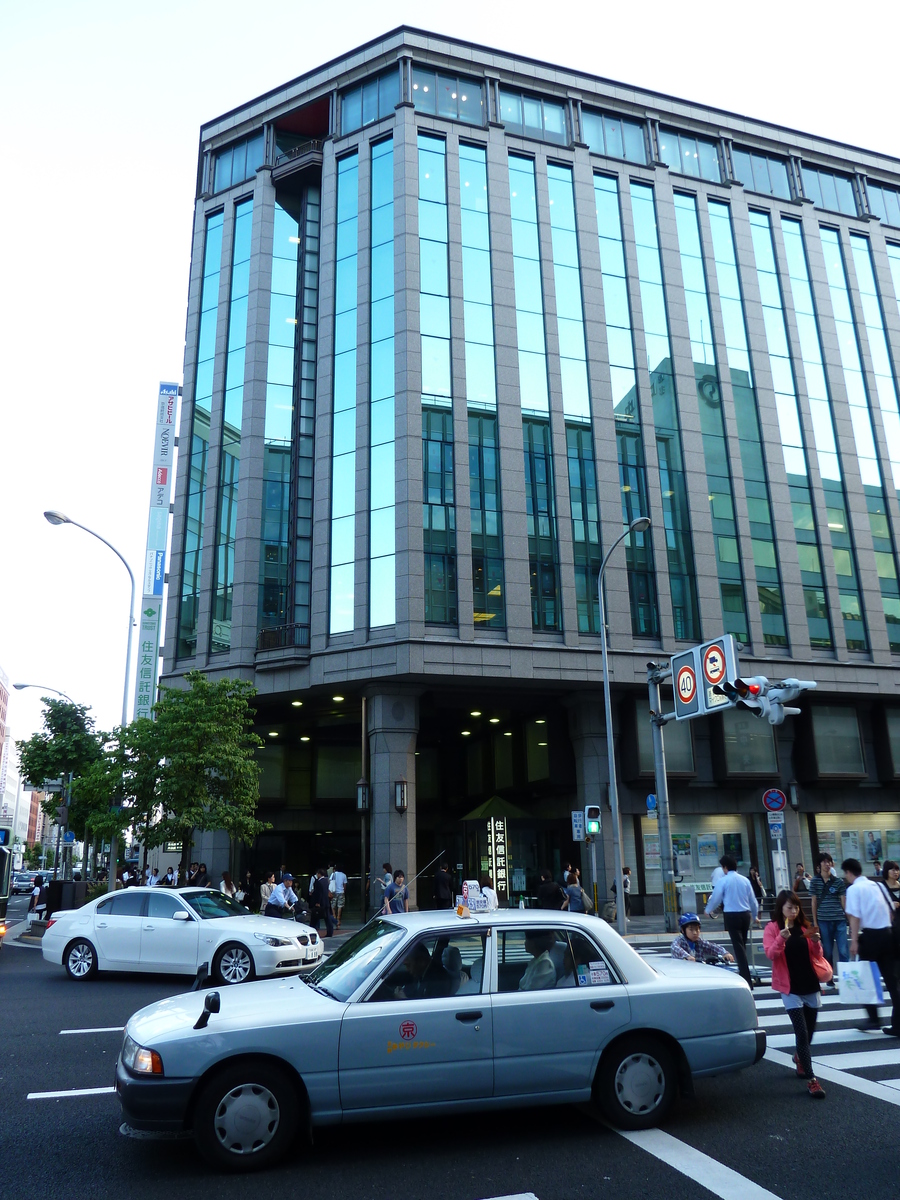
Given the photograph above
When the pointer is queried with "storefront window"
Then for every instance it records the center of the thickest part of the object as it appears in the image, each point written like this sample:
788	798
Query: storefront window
838	745
749	744
892	718
537	750
679	744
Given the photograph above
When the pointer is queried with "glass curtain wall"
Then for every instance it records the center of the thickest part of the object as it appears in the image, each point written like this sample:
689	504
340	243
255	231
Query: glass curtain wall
487	522
543	553
439	517
626	408
679	546
790	430
756	482
229	468
304	421
382	571
886	390
199	447
823	432
712	425
343	444
576	397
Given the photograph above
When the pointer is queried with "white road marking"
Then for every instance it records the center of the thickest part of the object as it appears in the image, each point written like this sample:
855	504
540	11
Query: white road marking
826	1074
722	1181
869	1058
99	1029
102	1091
827	1037
517	1196
894	1083
826	1016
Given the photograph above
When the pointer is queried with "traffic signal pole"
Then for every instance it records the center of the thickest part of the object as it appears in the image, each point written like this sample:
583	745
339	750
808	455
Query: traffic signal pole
655	675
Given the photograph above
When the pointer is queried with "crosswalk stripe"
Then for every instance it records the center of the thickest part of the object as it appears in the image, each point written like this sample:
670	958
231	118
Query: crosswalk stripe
826	1037
827	1074
894	1083
869	1058
711	1174
826	1017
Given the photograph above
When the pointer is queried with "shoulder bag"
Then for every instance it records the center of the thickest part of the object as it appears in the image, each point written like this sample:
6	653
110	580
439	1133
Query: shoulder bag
587	902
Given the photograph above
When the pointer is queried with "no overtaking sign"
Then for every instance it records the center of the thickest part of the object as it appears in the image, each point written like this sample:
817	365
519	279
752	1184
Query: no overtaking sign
696	672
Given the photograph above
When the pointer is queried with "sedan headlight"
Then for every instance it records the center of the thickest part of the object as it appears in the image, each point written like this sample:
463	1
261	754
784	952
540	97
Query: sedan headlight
272	941
140	1060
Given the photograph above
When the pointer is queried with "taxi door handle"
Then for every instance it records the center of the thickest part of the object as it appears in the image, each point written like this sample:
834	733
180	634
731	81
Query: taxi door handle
101	925
469	1016
602	1005
149	926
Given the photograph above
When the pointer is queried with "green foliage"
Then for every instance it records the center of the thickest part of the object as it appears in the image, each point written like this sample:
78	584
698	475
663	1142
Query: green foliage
32	856
69	743
119	790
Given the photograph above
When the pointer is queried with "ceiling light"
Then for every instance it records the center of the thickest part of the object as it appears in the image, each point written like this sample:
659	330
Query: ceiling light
464	99
296	704
540	721
467	733
453	95
304	739
542	743
495	720
273	733
475	713
508	733
337	699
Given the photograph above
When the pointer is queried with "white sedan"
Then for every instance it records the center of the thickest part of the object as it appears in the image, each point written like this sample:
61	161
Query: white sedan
156	929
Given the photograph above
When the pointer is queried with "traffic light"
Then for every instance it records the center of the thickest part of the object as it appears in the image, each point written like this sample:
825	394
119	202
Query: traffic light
782	692
62	815
750	693
592	820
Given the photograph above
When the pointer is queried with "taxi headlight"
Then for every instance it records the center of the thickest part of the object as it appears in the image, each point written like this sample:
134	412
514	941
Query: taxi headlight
272	941
140	1060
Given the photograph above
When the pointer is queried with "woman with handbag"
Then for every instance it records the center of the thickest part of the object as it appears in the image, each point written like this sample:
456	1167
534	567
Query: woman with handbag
798	967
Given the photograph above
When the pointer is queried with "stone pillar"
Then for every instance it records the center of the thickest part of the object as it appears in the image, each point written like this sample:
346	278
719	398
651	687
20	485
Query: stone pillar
393	720
587	732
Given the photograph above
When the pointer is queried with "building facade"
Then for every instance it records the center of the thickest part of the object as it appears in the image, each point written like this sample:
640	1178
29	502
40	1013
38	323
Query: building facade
455	318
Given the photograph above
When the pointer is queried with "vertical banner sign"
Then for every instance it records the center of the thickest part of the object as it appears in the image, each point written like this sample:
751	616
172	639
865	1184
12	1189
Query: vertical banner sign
150	616
497	855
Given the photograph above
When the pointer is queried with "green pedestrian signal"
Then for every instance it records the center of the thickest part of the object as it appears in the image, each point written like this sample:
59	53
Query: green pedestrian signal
592	820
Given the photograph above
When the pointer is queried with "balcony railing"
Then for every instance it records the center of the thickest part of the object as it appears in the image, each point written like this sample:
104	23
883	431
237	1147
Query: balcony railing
313	146
283	637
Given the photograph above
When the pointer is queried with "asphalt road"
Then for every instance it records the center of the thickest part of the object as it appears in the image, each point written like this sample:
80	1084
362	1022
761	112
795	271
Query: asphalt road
759	1124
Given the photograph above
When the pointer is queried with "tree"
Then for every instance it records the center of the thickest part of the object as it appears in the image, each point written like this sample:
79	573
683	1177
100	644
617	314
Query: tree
32	856
119	790
67	745
210	777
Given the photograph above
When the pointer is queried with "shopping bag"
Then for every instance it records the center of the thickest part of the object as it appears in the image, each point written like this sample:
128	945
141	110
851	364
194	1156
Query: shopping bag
859	983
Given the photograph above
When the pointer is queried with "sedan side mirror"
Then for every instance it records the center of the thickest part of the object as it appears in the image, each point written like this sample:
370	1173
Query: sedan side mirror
181	915
211	1004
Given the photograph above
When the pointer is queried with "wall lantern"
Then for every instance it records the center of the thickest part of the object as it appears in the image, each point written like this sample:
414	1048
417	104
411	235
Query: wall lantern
400	801
362	795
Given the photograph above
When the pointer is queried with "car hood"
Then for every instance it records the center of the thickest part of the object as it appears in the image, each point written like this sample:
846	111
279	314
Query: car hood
268	1002
692	972
250	924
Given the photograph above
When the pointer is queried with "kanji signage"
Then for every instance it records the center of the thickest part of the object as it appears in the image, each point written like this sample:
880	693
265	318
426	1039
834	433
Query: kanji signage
497	853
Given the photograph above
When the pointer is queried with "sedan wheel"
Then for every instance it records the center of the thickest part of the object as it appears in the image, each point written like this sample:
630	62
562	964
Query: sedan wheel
233	964
80	960
636	1083
246	1117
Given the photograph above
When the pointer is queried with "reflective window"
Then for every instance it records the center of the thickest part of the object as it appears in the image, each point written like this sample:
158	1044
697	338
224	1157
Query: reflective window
839	748
884	202
743	388
749	744
828	190
690	155
239	162
761	173
626	407
712	423
567	281
543	546
534	117
679	743
790	431
382	586
539	959
449	964
370	101
585	505
892	723
199	444
458	97
439	517
434	284
343	446
682	584
478	307
614	136
533	388
230	461
487	522
159	904
126	904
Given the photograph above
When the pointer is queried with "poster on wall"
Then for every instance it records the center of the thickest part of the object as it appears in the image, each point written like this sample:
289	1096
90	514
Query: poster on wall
681	851
892	844
733	846
708	849
849	843
828	843
872	843
651	852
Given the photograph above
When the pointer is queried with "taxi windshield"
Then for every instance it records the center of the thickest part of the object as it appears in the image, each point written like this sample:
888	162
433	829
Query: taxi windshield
359	956
210	905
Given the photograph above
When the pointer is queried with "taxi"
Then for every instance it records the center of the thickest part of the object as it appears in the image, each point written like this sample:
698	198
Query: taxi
430	1013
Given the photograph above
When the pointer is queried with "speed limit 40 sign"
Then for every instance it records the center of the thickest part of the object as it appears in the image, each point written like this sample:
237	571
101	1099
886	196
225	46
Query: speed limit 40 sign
698	671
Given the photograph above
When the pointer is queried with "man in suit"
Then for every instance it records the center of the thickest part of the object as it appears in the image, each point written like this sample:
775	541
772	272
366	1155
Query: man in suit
321	903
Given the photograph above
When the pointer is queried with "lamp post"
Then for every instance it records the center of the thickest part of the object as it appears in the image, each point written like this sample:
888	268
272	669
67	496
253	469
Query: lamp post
58	518
638	525
43	688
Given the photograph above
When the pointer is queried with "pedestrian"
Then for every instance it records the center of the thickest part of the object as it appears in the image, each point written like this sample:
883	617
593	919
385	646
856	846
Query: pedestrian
891	877
38	902
321	903
574	902
794	949
203	879
871	936
802	879
248	887
564	874
396	894
487	890
443	887
626	891
878	870
691	946
153	881
170	879
755	882
829	898
282	898
227	887
265	890
339	879
736	897
550	894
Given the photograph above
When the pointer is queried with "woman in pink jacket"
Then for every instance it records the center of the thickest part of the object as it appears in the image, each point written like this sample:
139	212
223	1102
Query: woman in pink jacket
794	948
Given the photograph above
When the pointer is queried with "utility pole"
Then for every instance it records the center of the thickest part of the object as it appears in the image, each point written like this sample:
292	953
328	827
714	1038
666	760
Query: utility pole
655	675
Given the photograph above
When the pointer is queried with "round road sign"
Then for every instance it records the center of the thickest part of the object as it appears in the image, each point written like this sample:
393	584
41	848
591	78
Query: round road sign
714	664
686	684
774	800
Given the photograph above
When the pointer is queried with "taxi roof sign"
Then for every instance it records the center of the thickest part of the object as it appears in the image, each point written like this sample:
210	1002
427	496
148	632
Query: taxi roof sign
697	672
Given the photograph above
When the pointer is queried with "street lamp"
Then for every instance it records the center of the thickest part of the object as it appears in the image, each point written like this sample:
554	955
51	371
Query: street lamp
43	688
58	518
638	525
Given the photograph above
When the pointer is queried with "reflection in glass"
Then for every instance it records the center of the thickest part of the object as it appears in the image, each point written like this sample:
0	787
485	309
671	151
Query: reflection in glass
884	202
789	427
343	459
457	97
239	162
439	517
689	155
382	587
533	391
543	551
828	190
534	117
614	136
370	101
487	523
199	444
761	173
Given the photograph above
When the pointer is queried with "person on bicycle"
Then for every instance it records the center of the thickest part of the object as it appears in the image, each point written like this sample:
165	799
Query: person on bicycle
691	946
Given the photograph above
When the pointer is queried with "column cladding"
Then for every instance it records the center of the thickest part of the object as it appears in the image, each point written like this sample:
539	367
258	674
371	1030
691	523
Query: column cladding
393	724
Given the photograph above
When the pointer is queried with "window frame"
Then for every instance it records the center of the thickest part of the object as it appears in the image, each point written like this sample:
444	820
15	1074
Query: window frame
616	976
523	131
403	951
699	139
603	115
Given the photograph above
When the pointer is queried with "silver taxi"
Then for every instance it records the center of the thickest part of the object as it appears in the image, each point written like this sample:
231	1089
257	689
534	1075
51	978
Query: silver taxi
425	1013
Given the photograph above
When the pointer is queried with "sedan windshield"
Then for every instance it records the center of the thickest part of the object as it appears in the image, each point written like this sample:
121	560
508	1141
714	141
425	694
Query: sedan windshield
210	905
359	957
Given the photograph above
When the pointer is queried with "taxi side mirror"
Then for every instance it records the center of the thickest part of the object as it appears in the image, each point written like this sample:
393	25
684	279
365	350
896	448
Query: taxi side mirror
181	915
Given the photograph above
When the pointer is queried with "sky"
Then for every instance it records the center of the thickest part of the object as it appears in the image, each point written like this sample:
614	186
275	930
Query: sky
100	110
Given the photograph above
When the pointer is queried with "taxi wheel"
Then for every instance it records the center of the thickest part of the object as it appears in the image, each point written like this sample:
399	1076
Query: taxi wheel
233	963
246	1116
636	1083
80	960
